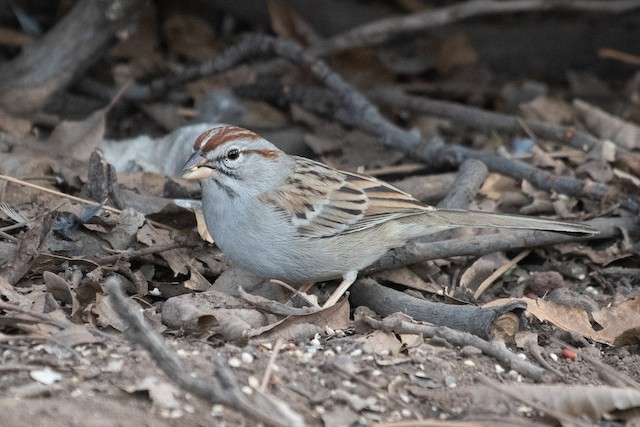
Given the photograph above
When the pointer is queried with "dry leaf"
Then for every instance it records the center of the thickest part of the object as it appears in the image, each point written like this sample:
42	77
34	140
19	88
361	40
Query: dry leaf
482	268
620	324
162	393
79	138
454	52
378	342
548	110
178	259
305	326
124	234
58	287
408	278
191	37
593	402
211	312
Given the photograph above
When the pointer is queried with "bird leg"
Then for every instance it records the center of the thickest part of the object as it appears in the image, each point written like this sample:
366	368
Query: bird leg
347	280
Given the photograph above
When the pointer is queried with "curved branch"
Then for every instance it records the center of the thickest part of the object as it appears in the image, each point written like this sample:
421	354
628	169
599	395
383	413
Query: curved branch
386	29
29	81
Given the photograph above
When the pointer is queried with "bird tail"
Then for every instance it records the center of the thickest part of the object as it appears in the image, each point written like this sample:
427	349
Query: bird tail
448	218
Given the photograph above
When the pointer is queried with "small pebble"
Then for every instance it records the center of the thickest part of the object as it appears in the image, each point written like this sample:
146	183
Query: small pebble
469	363
319	409
522	356
253	382
450	381
246	357
329	353
524	409
216	410
470	351
181	352
499	369
406	413
355	353
247	390
315	342
348	384
305	357
234	362
553	357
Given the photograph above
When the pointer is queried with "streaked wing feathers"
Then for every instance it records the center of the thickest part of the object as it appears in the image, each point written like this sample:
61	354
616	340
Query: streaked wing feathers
328	202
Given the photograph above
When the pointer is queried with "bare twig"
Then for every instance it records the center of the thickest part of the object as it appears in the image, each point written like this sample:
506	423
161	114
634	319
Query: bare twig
272	361
468	181
383	30
561	416
499	272
484	120
26	86
222	388
467	318
73	198
356	110
274	307
495	349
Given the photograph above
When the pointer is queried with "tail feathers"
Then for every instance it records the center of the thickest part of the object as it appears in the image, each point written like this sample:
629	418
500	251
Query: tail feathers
460	218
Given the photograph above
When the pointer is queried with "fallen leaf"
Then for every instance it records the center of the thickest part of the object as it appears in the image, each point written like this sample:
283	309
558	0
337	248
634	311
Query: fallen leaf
305	326
593	402
620	324
162	393
380	342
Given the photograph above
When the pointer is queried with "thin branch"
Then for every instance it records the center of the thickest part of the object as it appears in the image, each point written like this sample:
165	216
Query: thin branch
383	30
495	349
356	110
221	388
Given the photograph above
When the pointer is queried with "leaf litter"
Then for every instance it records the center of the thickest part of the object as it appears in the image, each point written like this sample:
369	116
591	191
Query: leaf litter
54	311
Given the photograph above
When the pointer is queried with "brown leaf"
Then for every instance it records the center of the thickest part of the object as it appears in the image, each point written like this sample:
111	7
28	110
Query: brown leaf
178	259
191	37
454	52
78	139
58	287
545	109
593	402
305	326
124	234
211	312
380	343
620	324
408	278
163	394
14	125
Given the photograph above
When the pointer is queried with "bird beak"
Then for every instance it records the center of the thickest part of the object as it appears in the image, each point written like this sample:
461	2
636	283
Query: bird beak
197	167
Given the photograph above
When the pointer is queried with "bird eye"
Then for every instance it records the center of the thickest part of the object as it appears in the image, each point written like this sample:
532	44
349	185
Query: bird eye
233	154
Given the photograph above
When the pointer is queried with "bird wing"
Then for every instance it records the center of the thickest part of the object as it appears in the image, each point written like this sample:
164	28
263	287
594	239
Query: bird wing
323	202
